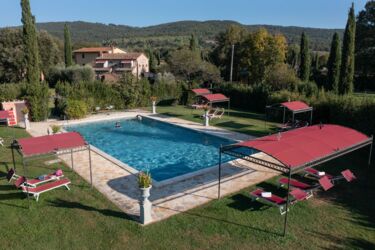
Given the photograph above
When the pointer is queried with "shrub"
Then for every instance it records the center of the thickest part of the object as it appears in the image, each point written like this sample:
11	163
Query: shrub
55	129
37	96
72	74
12	91
166	88
281	76
75	109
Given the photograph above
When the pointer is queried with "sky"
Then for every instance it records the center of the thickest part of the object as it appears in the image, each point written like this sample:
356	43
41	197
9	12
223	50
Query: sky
305	13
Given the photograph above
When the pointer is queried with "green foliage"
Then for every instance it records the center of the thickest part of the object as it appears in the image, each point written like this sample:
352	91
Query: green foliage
151	60
134	93
189	65
55	128
12	54
144	180
244	96
281	76
30	44
364	46
37	96
347	61
68	56
166	88
94	93
193	43
347	110
12	91
304	68
72	74
76	109
334	63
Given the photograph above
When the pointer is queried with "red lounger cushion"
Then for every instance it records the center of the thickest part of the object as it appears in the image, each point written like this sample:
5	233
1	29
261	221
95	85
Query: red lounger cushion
348	175
274	198
47	186
325	183
295	183
298	194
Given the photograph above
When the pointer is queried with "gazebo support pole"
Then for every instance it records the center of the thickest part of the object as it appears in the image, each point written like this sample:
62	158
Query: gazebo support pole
218	188
284	116
90	165
71	158
27	186
293	117
370	153
228	107
287	203
14	161
311	117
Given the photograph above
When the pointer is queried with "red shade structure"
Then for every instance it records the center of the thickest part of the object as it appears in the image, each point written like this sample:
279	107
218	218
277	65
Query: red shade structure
216	98
301	148
295	107
4	115
48	145
199	92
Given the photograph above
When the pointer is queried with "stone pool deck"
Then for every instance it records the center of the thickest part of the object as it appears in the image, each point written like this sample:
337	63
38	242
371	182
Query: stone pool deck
120	185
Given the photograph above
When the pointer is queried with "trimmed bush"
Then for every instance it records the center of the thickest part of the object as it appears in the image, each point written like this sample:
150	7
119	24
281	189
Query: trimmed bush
12	91
72	74
76	109
37	96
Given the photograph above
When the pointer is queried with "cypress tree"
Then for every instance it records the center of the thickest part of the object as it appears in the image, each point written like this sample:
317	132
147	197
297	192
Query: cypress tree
304	68
348	47
193	46
334	62
67	47
30	43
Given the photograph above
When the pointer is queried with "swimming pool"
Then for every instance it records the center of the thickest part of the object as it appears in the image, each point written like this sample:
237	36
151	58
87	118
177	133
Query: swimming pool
163	149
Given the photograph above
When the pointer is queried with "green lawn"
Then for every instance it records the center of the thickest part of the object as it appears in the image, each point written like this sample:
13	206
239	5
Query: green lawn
239	121
342	218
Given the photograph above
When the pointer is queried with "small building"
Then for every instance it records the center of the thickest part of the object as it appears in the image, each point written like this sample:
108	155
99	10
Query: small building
118	63
87	56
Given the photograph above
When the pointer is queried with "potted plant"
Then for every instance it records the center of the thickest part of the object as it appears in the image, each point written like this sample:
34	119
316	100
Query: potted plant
153	99
145	184
55	128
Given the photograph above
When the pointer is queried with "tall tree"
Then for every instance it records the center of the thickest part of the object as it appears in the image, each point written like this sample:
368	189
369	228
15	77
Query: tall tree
348	47
30	44
365	40
334	63
193	44
304	67
67	47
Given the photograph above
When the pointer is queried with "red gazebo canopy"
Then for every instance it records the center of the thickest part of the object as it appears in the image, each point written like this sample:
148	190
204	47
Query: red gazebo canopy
50	143
295	106
201	91
216	98
301	146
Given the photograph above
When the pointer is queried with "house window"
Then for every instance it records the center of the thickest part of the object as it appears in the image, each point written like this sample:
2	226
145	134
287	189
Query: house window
83	55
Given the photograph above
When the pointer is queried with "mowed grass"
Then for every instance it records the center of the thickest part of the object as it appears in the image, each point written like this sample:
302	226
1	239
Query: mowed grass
342	218
238	120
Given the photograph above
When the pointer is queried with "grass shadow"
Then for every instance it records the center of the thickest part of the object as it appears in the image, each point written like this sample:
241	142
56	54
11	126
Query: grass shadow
245	203
77	205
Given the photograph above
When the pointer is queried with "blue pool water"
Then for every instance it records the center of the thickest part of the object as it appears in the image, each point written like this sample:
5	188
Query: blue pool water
165	150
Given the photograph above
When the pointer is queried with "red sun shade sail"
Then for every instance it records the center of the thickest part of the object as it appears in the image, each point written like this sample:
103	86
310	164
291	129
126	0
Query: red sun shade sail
300	146
50	143
295	106
201	91
216	98
4	114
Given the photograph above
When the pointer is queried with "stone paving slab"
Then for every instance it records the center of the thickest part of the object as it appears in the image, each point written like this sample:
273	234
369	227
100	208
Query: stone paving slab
120	185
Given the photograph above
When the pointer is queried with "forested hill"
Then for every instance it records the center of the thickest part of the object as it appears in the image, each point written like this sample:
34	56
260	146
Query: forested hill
98	32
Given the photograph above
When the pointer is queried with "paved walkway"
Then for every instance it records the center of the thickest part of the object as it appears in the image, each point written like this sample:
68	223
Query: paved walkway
120	186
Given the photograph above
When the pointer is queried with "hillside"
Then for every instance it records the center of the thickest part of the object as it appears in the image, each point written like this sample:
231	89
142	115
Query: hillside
98	32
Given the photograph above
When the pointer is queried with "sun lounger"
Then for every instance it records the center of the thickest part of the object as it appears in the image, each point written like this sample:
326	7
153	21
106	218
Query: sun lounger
210	113
37	191
35	181
218	114
300	195
308	189
316	173
273	200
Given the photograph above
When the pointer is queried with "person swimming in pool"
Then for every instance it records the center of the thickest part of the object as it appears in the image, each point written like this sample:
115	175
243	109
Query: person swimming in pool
117	125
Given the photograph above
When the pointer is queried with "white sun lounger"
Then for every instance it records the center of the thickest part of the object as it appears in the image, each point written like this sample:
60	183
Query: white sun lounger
37	191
